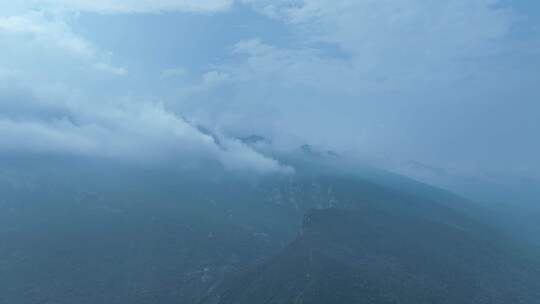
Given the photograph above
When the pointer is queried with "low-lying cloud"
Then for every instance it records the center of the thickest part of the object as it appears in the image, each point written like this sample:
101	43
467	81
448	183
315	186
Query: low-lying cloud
127	130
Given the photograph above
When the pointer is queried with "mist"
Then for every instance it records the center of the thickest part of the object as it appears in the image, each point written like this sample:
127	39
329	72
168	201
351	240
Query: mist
230	121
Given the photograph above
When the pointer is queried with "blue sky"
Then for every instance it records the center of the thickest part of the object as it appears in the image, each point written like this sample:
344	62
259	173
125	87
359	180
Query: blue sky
450	83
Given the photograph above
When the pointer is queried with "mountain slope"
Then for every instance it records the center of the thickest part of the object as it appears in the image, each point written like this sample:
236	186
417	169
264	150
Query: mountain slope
375	256
77	231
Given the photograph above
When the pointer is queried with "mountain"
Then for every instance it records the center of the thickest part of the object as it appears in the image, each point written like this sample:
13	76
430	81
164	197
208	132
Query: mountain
91	231
512	199
376	255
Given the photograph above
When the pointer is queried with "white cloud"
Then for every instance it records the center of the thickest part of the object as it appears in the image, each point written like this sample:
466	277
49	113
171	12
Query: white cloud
32	136
37	35
123	6
215	78
57	116
240	157
409	37
118	71
145	6
360	73
67	123
379	75
36	27
288	67
43	23
177	72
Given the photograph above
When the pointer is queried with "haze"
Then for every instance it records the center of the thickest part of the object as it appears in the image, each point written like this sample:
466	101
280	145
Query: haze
108	101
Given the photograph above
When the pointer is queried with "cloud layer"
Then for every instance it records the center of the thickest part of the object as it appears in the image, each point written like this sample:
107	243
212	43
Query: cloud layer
397	80
450	83
127	130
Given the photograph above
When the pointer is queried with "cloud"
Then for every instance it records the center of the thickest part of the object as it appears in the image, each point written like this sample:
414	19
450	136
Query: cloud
119	71
125	6
412	39
177	72
36	27
391	79
146	6
123	130
56	137
45	24
47	108
406	79
37	35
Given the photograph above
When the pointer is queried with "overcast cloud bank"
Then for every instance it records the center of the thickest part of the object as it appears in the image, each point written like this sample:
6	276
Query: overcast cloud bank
450	83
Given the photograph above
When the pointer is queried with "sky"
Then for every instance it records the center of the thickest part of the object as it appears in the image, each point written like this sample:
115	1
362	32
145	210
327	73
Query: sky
452	84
